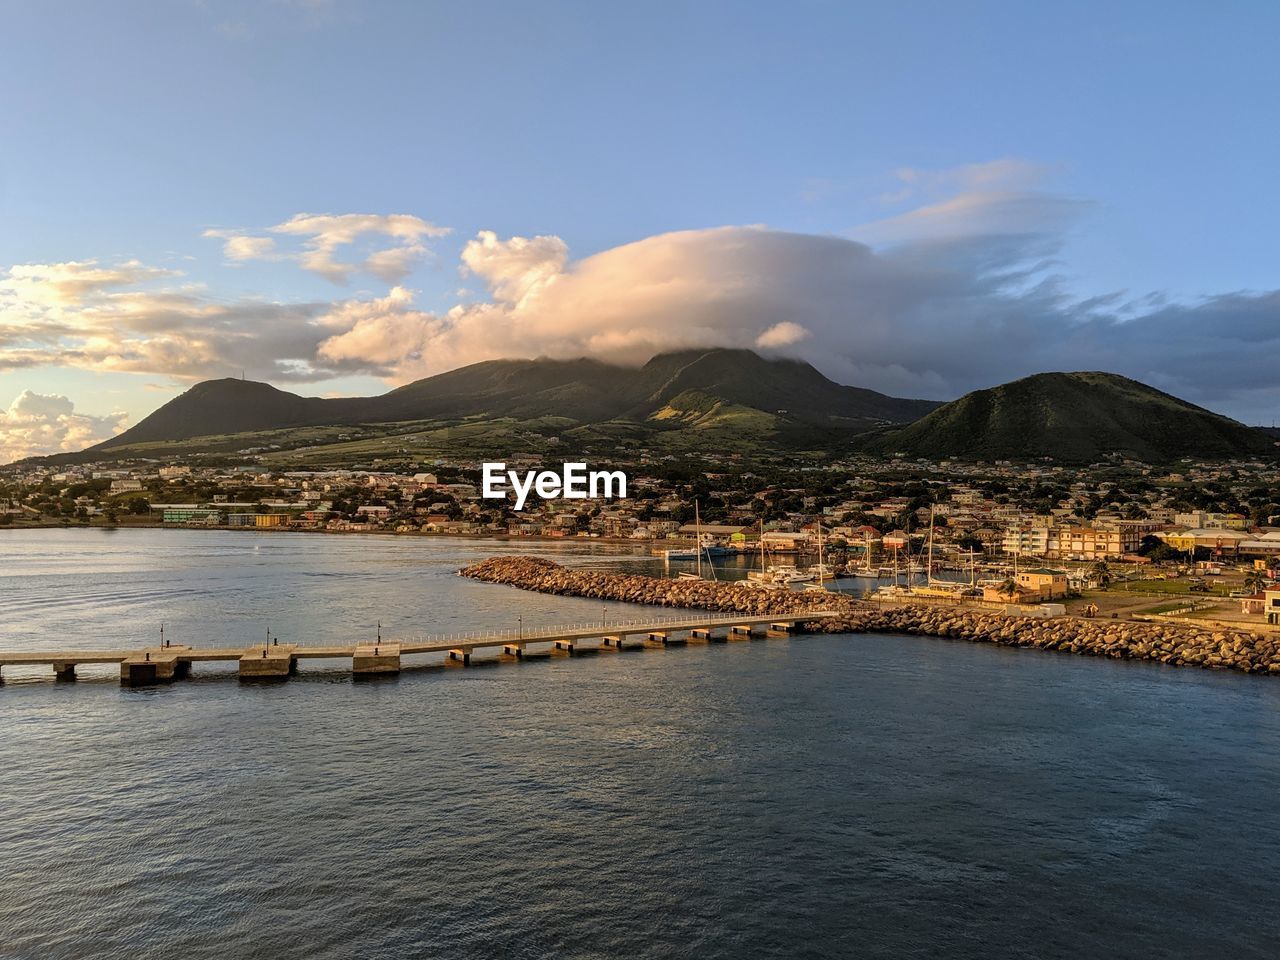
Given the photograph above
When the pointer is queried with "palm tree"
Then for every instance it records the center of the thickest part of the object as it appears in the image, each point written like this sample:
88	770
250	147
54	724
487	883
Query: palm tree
1101	573
1009	588
1255	581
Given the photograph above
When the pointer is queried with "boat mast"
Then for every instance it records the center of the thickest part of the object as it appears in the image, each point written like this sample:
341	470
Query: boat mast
821	569
697	532
929	575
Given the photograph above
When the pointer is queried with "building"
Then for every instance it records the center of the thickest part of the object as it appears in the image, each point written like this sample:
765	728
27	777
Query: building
1092	543
1042	583
1271	605
1026	541
1218	540
205	515
126	486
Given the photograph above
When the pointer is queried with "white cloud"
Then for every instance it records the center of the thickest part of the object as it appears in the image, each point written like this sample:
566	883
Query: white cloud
37	423
322	235
517	268
959	293
782	334
929	318
238	247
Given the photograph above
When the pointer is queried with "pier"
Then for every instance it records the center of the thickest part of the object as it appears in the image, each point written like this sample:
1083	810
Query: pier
276	661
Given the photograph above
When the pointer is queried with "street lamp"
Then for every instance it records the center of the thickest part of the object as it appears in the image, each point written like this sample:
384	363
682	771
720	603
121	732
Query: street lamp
520	623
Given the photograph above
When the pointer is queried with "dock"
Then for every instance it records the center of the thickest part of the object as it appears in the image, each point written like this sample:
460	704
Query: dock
146	666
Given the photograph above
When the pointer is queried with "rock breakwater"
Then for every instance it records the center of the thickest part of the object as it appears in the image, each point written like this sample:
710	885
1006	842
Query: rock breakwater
1176	644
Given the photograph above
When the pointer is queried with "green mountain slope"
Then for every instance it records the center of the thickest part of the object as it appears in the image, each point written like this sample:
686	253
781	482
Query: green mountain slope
1075	417
789	397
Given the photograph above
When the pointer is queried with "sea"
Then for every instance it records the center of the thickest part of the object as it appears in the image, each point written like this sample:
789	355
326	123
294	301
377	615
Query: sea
819	796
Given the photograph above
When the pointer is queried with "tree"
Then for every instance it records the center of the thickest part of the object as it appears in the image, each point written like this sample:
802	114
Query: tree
1101	574
1255	581
1009	588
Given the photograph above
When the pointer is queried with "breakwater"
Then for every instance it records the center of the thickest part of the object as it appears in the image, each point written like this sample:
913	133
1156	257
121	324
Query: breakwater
1175	644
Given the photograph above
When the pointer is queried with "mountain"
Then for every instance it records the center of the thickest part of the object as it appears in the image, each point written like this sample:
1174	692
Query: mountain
228	407
1076	417
710	391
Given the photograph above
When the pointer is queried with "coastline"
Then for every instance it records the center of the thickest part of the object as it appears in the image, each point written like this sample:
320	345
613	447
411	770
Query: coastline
1168	643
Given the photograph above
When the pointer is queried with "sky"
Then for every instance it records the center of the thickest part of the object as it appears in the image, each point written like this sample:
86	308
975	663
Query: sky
919	198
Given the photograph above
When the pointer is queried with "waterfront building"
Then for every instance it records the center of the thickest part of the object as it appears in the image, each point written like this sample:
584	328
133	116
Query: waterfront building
205	515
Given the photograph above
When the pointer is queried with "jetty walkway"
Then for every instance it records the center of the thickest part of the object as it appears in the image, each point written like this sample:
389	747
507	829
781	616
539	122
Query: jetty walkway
161	664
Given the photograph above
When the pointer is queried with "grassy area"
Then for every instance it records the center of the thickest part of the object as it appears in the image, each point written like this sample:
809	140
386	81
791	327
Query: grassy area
1178	587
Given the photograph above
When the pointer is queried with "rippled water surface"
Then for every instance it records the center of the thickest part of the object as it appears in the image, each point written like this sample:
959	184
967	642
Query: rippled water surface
860	796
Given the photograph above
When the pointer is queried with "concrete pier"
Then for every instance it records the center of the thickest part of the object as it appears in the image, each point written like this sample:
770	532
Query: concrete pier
154	666
741	631
144	666
269	663
376	659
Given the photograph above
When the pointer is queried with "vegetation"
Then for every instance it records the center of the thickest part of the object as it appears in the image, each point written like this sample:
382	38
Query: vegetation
1076	417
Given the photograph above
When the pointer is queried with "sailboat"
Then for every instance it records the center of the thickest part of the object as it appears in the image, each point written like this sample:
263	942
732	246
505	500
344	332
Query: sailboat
821	572
699	551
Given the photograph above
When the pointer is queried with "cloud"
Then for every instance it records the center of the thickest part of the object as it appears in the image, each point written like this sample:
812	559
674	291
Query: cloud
322	235
782	334
37	423
931	318
118	318
239	247
62	284
959	293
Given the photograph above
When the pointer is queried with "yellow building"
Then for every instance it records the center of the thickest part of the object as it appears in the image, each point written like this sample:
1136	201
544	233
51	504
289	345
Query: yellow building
1043	583
270	520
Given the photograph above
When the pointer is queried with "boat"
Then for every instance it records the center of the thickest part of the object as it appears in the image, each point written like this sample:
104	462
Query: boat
698	552
680	553
789	573
820	571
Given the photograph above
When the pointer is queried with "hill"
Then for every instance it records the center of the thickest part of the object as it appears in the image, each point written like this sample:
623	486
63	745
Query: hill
673	399
1074	417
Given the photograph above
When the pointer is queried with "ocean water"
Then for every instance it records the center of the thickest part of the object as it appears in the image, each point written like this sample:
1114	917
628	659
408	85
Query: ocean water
856	796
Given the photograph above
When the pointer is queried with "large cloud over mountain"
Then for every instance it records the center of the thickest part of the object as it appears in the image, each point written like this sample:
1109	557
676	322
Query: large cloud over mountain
957	293
927	317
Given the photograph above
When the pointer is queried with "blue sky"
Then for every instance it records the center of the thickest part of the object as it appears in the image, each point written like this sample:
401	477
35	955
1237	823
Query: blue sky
1128	149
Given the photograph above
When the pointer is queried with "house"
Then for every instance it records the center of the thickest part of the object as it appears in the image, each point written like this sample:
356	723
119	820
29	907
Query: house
1271	605
1043	583
1254	605
895	540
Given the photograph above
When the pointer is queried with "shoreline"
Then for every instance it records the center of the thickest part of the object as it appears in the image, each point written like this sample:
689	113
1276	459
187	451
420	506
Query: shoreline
496	537
1172	644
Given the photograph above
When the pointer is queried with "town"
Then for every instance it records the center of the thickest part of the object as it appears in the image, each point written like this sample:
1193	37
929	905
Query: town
1118	538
